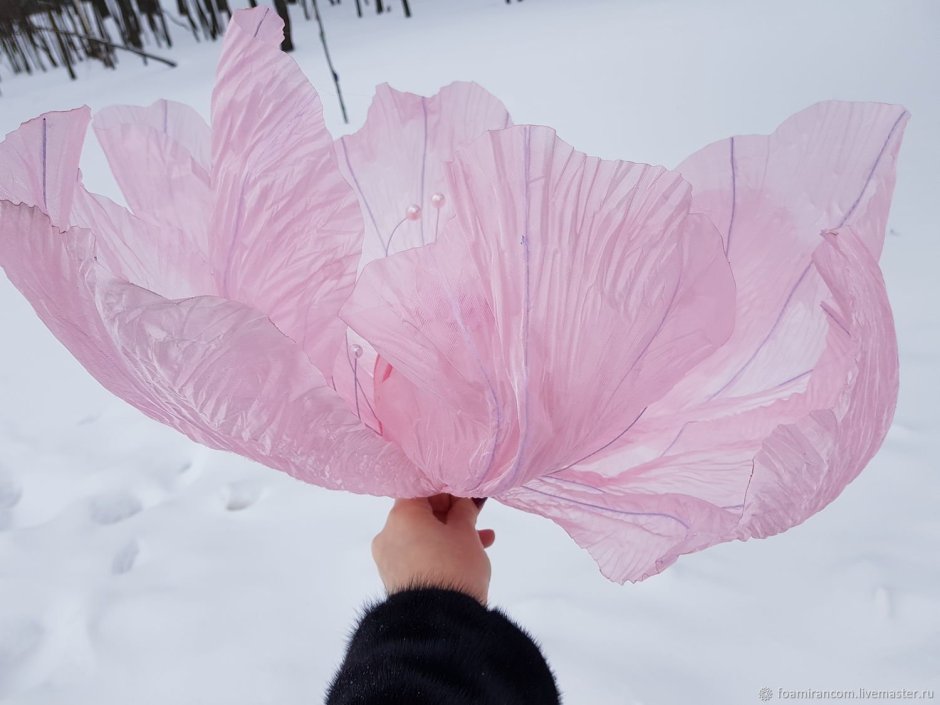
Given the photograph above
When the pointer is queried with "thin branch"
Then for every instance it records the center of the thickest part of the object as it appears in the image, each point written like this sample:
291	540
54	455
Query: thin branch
329	61
108	44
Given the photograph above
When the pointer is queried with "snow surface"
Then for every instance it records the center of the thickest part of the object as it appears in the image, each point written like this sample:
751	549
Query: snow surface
137	567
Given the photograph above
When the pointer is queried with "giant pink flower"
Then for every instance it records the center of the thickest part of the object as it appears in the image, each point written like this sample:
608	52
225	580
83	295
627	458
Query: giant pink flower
444	302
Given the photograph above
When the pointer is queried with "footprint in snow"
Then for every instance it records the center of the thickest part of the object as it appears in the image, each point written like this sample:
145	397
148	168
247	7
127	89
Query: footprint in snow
10	492
240	495
125	559
113	507
20	639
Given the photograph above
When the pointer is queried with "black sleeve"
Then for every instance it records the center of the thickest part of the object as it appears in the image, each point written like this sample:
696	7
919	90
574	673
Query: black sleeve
429	645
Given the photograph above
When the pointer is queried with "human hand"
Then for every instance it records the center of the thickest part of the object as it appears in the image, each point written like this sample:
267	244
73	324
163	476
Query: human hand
434	542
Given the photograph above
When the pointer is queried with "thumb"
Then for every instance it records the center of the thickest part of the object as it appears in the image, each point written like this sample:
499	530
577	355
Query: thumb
463	511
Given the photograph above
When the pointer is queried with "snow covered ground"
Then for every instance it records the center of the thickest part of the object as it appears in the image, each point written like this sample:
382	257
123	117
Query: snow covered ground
137	567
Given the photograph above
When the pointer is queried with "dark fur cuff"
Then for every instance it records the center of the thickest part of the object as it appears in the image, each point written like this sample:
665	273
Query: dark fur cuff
430	645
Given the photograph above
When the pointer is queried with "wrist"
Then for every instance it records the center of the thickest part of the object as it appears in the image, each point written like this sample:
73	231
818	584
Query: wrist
431	583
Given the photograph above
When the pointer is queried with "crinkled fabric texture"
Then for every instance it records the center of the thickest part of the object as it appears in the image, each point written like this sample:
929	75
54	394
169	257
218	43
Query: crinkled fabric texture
658	360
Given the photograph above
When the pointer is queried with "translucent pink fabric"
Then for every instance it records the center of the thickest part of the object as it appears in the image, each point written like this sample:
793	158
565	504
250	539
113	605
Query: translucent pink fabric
658	360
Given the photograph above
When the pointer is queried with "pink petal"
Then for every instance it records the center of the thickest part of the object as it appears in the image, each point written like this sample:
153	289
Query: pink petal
831	445
822	167
43	171
809	176
631	536
398	160
217	370
40	162
734	486
160	158
775	445
548	315
179	124
156	257
285	230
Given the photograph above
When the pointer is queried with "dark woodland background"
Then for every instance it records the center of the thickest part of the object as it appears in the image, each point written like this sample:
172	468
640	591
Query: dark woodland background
43	35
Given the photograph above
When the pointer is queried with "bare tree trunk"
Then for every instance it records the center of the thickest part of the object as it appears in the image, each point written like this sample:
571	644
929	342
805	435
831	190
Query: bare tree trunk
63	50
288	42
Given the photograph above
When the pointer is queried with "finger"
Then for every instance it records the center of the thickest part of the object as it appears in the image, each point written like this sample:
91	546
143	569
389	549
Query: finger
441	503
487	537
463	511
